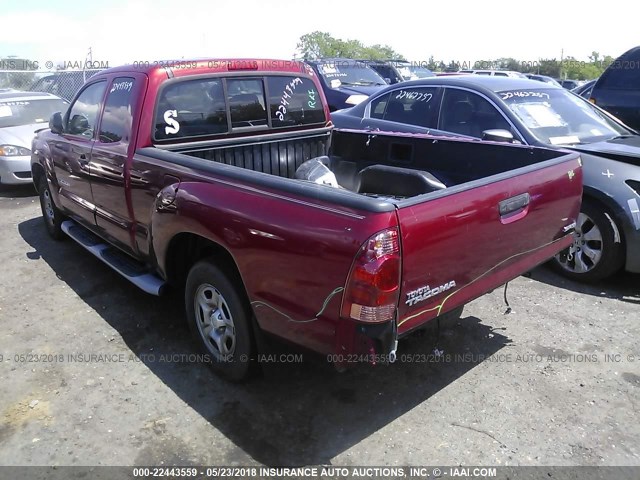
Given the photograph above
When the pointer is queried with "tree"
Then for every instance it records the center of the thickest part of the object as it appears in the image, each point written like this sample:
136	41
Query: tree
318	44
432	64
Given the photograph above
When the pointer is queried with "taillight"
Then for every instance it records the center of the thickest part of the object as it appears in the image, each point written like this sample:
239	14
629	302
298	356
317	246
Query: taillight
373	285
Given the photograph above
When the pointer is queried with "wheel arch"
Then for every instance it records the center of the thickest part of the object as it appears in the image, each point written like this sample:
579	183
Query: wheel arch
616	213
186	249
37	172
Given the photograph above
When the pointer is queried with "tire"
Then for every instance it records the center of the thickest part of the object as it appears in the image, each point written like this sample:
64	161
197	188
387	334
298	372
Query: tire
594	255
52	217
220	321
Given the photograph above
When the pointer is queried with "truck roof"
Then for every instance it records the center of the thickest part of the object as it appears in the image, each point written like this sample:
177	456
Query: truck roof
197	66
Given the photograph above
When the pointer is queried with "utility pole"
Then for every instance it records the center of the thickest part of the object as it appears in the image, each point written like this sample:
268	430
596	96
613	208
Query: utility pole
88	59
562	63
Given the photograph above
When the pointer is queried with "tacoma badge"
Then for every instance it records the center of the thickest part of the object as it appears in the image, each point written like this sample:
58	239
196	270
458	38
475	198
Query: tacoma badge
423	293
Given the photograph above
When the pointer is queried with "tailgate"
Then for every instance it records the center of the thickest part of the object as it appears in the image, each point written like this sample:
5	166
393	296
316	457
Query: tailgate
475	237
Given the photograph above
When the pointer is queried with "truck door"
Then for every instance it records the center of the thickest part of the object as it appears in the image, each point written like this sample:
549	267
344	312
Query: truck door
71	154
113	146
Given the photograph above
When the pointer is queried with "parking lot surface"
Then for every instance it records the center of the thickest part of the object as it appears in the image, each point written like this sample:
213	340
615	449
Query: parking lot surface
96	372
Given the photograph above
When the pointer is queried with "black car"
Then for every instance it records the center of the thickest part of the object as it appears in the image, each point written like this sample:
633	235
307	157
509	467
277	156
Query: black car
618	88
585	89
386	70
532	113
346	82
568	84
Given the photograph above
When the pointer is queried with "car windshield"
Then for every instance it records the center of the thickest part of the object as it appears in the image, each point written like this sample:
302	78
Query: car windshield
558	117
344	73
25	112
414	72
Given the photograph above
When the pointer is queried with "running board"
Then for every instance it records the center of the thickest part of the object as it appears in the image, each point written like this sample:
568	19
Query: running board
126	266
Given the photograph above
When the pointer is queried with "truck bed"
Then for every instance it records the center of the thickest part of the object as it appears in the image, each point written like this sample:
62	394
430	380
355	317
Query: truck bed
495	211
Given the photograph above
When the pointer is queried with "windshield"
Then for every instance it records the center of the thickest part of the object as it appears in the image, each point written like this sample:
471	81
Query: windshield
26	112
558	117
343	73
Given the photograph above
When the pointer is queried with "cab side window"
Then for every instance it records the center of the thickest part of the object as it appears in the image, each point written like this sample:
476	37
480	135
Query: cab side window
117	116
83	114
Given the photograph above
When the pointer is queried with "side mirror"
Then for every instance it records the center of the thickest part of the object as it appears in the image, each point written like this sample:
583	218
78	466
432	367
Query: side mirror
498	135
79	124
55	123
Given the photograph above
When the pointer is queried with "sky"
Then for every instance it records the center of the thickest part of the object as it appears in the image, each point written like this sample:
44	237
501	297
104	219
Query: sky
463	31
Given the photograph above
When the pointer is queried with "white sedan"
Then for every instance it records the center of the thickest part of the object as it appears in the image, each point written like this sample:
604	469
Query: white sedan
21	114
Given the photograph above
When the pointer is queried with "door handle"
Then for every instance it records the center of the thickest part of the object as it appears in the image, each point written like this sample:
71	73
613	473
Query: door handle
514	208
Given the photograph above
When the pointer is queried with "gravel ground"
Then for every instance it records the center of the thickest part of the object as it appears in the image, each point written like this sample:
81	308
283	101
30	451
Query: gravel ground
555	382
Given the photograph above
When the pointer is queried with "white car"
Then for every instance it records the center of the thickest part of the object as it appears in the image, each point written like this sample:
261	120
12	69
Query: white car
21	114
496	73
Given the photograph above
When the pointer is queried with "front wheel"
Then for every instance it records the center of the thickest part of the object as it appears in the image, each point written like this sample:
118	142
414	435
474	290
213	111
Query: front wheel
220	321
52	217
596	253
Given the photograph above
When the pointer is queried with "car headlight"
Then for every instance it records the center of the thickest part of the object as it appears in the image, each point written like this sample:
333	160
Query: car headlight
356	99
13	151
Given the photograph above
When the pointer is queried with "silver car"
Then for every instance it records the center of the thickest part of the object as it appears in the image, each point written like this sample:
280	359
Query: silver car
21	114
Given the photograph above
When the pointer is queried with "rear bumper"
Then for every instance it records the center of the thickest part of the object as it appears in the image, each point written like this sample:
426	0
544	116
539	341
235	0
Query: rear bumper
372	343
360	343
15	170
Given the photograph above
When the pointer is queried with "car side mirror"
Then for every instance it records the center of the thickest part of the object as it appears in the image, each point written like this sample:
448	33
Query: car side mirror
79	124
55	123
498	135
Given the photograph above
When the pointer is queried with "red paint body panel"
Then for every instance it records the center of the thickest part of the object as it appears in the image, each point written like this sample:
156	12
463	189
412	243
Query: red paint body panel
463	238
291	253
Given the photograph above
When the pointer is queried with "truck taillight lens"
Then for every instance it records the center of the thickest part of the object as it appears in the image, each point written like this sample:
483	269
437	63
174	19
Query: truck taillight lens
373	286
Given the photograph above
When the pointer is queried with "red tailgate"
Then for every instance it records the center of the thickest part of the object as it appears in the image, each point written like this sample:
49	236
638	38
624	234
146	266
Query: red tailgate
458	246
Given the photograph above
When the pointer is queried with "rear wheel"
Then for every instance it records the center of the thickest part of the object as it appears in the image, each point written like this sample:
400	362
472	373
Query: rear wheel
594	254
220	321
52	217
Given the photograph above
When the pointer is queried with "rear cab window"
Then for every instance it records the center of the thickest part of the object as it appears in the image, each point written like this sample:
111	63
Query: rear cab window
220	106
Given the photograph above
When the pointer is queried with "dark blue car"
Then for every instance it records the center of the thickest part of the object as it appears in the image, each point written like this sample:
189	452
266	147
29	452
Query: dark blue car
346	82
532	113
618	88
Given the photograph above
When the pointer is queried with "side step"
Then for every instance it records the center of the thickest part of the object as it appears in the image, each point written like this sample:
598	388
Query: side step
126	266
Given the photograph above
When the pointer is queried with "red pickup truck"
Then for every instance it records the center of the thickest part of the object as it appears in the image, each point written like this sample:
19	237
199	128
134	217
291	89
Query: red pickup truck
224	177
